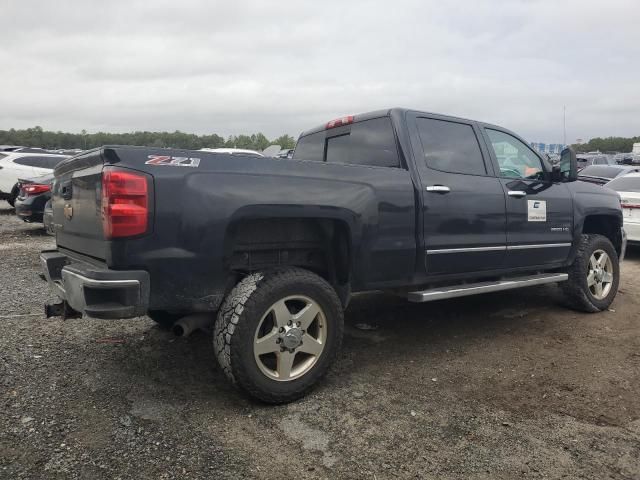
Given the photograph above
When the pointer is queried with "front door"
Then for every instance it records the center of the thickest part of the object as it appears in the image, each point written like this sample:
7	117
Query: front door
539	212
463	202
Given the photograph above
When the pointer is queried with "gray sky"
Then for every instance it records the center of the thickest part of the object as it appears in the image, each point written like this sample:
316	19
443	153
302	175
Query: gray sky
281	67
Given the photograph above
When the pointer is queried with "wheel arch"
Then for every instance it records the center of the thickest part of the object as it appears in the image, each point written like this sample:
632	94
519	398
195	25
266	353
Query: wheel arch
606	225
321	244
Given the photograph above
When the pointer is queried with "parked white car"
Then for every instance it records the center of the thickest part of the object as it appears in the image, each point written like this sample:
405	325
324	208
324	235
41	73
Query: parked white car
233	151
15	165
628	187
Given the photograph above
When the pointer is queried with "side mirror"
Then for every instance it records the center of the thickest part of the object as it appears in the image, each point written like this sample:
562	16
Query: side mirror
567	169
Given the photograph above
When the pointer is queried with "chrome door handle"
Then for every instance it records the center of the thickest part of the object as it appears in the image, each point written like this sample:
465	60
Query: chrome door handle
438	189
517	193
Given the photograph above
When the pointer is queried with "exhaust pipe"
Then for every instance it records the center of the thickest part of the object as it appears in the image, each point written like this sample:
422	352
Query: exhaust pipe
189	324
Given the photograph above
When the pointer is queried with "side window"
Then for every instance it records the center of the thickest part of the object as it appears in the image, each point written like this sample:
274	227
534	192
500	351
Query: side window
370	142
27	161
450	147
310	147
38	162
515	159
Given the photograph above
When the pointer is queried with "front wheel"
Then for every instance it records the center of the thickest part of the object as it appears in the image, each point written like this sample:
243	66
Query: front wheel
594	275
277	333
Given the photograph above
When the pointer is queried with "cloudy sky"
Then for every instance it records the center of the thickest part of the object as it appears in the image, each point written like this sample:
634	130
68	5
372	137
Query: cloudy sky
233	67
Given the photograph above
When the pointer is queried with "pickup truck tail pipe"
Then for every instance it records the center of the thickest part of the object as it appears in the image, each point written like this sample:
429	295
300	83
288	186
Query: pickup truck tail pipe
189	324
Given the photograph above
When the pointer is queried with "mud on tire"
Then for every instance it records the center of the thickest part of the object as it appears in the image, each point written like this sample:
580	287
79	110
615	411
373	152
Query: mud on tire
243	312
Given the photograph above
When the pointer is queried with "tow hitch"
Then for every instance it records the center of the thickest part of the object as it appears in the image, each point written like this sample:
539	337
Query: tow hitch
62	309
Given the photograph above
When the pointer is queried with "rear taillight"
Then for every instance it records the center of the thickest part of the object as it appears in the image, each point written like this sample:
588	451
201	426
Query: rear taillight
125	203
35	189
630	205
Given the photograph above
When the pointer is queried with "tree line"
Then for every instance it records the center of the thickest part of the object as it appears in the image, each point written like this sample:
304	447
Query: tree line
37	137
609	144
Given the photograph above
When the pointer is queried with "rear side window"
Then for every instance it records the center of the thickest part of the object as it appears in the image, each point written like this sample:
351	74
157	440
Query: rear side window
450	147
310	147
370	142
39	162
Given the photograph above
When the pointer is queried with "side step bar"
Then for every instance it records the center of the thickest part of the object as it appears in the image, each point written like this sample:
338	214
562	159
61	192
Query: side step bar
454	291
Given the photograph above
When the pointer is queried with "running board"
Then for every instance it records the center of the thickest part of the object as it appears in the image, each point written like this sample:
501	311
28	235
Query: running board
485	287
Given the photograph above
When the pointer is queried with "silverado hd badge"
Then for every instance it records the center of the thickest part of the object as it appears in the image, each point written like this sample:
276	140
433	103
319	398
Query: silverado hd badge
172	161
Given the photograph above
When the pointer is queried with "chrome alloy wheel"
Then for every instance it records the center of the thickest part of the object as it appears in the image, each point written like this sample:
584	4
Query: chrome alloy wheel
600	274
290	338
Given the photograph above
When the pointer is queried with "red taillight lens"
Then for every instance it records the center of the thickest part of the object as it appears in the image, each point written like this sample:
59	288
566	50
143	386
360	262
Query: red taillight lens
35	189
125	203
339	122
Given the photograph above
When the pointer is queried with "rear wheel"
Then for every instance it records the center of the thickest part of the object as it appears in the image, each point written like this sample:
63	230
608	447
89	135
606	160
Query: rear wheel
13	195
594	275
278	332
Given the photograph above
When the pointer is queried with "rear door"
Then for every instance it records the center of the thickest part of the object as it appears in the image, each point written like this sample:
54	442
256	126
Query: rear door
463	202
539	212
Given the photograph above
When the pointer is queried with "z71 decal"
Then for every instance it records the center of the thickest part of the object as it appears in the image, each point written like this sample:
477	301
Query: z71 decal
172	161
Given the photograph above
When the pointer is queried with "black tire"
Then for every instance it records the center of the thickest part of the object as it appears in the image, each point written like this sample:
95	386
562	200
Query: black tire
163	318
576	290
241	314
13	195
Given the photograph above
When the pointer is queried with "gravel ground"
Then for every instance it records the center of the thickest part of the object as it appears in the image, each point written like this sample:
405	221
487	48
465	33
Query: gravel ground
497	386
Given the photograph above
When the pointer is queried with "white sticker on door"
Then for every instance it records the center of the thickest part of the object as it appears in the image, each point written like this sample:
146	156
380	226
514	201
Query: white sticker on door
536	210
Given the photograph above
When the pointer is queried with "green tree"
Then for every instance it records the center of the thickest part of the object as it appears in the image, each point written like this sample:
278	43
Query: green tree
285	141
37	137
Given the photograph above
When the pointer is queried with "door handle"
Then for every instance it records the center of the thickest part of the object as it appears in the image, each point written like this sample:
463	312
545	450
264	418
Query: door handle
438	189
517	193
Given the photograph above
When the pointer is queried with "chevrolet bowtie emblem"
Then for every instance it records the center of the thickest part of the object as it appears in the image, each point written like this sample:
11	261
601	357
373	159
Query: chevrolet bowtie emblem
68	211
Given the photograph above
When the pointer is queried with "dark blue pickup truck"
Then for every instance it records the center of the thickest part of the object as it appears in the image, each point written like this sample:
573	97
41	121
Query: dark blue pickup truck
426	206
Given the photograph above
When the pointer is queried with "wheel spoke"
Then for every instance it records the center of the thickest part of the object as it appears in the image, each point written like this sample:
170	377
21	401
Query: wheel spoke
598	289
307	315
608	277
593	262
285	364
281	313
591	278
602	261
311	345
267	344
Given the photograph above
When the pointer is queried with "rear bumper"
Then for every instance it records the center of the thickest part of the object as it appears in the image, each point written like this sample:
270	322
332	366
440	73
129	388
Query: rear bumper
96	291
30	209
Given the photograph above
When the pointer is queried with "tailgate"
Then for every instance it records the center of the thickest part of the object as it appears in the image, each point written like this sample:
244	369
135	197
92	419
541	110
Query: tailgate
76	203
